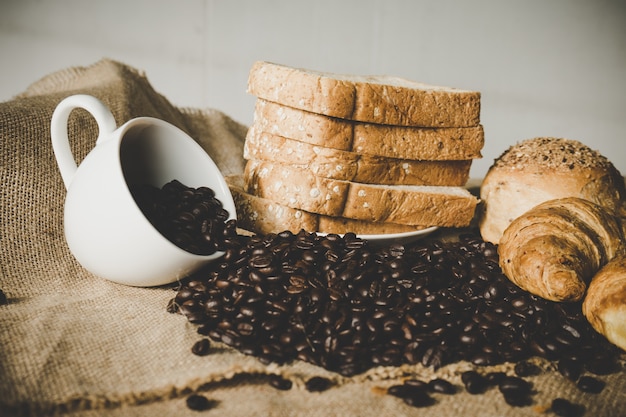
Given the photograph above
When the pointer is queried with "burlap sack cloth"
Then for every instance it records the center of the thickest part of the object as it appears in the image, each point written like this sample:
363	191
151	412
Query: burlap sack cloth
75	344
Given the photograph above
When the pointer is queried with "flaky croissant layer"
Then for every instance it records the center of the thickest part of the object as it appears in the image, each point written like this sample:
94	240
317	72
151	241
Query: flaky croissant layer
605	303
554	249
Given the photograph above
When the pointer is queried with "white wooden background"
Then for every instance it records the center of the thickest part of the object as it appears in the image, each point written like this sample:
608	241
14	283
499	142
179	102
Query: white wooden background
544	68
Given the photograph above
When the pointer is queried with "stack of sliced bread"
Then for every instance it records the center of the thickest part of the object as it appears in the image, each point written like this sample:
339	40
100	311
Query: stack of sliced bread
342	153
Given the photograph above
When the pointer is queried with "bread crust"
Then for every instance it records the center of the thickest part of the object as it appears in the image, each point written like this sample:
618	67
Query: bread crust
350	166
372	99
542	169
412	205
447	143
263	216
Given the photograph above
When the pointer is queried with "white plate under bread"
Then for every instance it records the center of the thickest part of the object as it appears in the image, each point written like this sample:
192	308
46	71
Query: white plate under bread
398	238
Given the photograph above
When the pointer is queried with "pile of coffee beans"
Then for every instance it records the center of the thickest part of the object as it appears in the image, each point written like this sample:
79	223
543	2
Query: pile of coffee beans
335	302
192	218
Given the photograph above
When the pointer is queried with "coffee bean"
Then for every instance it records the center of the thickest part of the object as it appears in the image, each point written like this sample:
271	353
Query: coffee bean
517	399
474	382
419	399
602	365
514	387
280	383
317	384
570	368
590	384
172	306
416	383
525	368
201	348
564	408
494	378
441	386
402	390
199	402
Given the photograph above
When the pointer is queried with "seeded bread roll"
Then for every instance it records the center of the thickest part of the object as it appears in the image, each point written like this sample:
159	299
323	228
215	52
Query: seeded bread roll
351	166
541	169
411	205
451	143
373	99
260	215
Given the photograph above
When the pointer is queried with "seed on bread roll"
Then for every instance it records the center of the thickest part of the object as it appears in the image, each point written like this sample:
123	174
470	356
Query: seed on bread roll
542	169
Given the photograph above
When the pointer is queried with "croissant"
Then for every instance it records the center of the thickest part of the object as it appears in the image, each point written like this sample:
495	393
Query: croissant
604	305
554	249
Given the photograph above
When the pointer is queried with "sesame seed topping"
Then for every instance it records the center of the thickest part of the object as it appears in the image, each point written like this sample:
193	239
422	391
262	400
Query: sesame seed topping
558	153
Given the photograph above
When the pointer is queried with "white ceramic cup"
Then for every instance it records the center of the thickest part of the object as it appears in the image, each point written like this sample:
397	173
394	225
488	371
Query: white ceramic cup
105	229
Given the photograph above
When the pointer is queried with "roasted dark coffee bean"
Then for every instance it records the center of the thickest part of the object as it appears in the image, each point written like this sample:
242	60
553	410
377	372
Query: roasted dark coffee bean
402	390
201	348
474	382
280	383
517	398
570	368
419	399
565	408
602	365
484	359
524	368
494	378
515	385
199	402
172	306
416	383
317	384
590	384
441	386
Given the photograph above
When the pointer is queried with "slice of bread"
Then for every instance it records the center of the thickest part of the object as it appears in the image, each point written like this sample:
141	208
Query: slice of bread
412	205
373	99
351	166
262	216
451	143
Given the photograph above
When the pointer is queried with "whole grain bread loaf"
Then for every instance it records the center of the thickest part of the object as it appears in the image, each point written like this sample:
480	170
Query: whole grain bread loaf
411	205
419	143
373	99
545	168
262	216
352	166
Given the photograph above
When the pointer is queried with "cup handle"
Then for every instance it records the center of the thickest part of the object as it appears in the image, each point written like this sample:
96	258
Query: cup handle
58	130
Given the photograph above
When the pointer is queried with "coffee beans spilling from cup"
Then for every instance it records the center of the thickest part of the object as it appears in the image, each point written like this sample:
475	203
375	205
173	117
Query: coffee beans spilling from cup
338	303
192	218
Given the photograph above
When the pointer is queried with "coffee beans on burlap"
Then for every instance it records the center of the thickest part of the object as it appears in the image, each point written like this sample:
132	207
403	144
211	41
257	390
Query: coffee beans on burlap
335	302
